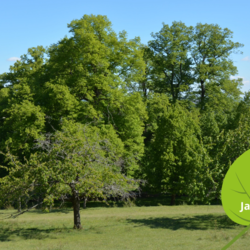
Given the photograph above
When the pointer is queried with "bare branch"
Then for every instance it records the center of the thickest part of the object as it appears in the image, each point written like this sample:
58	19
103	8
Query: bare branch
19	213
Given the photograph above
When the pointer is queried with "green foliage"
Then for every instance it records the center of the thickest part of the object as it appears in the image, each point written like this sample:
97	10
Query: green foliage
186	58
170	59
212	66
80	158
184	151
166	112
174	156
22	119
85	78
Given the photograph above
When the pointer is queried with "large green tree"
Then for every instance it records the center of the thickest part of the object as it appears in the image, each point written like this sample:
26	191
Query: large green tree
170	49
176	159
192	64
21	118
84	78
212	67
78	162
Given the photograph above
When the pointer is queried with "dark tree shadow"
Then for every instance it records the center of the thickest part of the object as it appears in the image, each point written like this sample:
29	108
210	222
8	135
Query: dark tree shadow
29	233
197	222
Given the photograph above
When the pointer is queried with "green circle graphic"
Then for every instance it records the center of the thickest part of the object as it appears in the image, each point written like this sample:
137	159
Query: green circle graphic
235	193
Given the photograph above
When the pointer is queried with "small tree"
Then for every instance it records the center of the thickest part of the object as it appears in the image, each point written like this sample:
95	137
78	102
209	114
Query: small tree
78	162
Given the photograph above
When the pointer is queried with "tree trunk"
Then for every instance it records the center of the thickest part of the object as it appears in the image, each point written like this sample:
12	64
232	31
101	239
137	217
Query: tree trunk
172	200
202	95
76	206
172	85
19	205
85	202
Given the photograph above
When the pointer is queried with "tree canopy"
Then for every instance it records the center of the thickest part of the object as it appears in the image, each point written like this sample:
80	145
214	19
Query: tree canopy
78	162
92	114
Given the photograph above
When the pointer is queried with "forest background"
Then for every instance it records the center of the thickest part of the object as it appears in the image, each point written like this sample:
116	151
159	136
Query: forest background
167	113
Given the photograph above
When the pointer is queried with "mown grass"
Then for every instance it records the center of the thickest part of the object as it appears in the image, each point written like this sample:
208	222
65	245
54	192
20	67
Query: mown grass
152	227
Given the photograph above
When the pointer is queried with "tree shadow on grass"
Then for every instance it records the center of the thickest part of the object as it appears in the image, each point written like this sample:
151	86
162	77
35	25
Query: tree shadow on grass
29	233
197	222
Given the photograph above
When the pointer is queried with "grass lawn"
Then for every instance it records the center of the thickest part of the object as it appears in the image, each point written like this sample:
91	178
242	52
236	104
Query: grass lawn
154	227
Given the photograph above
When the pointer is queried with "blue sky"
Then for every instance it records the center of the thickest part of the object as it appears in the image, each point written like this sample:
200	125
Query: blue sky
25	24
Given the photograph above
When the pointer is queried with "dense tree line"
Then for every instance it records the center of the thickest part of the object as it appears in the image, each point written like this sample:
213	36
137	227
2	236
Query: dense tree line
96	115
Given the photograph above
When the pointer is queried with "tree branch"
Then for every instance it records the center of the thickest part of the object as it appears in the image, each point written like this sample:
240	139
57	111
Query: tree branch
19	213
